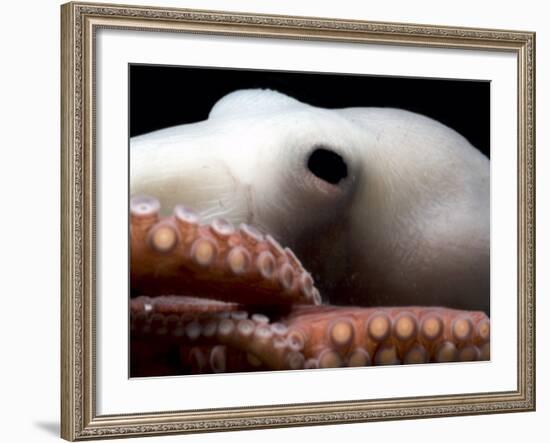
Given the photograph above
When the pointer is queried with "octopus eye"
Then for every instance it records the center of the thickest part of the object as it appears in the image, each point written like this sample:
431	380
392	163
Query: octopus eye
327	165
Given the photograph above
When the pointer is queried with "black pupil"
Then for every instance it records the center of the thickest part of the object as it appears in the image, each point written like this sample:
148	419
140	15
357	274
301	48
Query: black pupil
327	165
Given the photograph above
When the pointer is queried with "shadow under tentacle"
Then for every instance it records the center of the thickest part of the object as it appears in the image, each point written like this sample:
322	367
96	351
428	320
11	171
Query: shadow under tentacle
211	298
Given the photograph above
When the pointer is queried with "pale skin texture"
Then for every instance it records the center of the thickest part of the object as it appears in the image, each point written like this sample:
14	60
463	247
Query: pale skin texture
408	225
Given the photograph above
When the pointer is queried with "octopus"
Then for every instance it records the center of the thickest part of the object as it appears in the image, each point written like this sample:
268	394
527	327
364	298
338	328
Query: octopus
342	267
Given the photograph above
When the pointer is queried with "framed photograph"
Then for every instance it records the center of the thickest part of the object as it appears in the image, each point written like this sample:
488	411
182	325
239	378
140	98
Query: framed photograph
282	221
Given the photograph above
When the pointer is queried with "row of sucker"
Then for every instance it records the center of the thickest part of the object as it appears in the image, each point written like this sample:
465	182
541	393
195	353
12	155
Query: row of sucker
314	337
352	336
264	343
181	255
205	359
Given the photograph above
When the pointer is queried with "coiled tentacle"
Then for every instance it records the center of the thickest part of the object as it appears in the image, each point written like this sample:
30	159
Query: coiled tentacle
204	295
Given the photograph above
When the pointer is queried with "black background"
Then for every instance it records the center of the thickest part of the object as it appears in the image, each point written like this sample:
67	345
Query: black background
162	96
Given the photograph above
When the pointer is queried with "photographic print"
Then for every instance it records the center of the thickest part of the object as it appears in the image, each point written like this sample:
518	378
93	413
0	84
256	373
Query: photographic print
273	221
306	220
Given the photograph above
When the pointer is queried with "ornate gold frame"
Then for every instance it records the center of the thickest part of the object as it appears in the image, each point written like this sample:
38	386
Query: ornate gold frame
79	420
